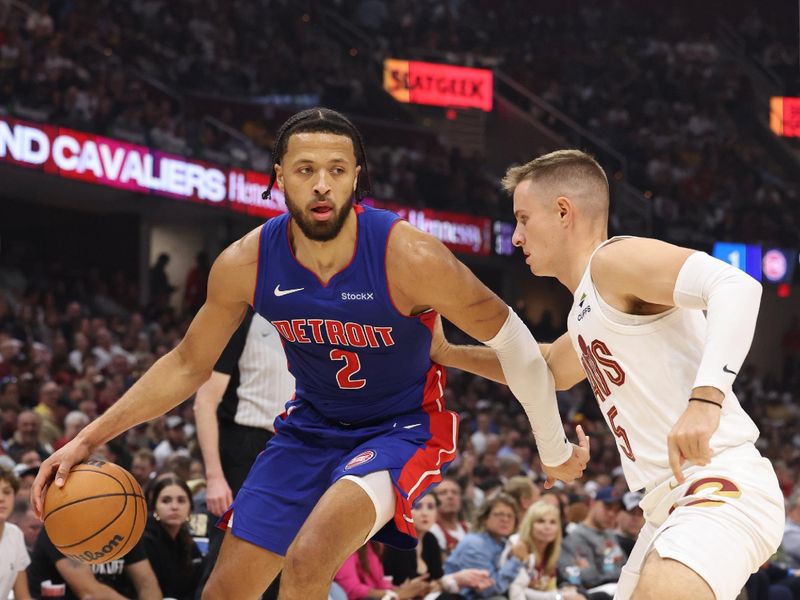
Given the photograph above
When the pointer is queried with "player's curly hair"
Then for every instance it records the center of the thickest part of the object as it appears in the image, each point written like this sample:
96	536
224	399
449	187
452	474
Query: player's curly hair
321	120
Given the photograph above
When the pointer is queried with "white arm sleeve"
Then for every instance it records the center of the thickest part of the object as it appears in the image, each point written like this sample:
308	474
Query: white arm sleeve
532	383
731	299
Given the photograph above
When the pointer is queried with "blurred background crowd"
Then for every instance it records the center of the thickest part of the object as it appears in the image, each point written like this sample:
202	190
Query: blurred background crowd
677	97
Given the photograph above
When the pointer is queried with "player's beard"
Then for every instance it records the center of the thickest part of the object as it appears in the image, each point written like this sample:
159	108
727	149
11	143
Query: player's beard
319	231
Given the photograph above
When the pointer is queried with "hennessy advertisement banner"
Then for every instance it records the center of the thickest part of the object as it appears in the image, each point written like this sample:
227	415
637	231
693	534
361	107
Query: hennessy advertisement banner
438	85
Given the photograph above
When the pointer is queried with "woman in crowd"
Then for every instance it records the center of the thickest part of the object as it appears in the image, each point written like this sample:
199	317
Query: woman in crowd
362	576
496	520
426	559
540	537
175	557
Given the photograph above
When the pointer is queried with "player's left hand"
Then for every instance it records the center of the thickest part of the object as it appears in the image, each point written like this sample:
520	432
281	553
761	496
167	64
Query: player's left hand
691	436
573	468
439	343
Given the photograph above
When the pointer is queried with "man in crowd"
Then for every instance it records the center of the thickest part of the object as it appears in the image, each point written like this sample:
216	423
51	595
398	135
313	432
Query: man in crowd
28	437
592	545
630	521
449	529
128	577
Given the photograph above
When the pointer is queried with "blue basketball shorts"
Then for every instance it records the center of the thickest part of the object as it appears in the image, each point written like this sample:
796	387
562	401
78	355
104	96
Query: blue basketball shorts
309	453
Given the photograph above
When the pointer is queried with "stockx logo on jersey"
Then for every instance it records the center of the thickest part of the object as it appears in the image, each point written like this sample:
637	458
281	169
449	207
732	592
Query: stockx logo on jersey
358	295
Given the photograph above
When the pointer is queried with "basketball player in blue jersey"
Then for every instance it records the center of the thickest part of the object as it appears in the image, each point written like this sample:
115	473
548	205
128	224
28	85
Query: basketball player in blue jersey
662	373
354	292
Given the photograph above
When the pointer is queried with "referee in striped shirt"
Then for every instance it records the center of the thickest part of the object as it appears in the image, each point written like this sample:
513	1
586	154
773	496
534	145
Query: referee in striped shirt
234	413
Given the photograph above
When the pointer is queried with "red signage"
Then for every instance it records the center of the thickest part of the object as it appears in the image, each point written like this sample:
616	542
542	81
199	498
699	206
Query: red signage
459	232
438	85
113	163
784	116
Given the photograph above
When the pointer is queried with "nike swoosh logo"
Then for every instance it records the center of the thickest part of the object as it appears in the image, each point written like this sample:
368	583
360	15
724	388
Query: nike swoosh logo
279	292
727	370
411	426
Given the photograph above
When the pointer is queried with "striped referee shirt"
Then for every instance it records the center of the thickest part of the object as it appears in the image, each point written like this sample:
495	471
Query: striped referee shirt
260	383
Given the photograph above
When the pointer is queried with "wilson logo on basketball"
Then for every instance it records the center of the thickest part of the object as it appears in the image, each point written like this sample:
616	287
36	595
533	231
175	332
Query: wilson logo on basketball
360	459
90	556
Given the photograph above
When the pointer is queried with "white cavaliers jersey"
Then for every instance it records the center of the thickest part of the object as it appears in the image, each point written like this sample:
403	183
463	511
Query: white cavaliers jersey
641	369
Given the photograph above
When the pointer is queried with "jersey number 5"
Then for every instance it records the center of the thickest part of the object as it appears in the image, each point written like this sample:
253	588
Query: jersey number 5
621	434
352	365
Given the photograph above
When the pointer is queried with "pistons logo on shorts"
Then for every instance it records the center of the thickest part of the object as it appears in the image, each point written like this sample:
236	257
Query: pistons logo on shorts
360	459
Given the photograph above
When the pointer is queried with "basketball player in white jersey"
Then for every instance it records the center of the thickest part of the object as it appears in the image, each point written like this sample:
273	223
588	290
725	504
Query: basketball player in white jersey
661	372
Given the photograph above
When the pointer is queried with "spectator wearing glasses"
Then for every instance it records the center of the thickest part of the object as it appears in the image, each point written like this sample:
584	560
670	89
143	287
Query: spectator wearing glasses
496	520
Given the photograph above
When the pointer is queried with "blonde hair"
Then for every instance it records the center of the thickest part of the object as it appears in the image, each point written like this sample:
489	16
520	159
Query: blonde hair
518	487
558	166
538	511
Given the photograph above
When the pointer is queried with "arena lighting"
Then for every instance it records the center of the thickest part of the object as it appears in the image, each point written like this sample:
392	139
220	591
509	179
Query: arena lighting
434	84
784	116
112	163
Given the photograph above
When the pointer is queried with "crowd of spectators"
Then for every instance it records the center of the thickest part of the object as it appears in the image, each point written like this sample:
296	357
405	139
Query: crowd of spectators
659	84
655	84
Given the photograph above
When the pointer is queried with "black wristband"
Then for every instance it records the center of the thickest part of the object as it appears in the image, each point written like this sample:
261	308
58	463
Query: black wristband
717	404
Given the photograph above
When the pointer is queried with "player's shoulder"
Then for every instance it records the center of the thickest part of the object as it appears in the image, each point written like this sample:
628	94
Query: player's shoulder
234	271
632	254
243	251
413	247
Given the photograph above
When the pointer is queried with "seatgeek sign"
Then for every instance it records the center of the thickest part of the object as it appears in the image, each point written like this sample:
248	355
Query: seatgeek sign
438	85
116	164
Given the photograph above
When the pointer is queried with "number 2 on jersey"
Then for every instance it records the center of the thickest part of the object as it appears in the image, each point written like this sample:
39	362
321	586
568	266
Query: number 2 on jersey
352	365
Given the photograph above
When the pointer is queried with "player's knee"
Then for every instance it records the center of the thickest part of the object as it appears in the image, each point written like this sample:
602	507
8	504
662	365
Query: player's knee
305	556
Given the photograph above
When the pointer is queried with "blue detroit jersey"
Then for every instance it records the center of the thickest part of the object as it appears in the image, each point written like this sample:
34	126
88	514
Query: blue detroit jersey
354	357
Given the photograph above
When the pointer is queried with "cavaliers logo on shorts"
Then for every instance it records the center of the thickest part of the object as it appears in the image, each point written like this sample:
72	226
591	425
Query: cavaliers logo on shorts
360	459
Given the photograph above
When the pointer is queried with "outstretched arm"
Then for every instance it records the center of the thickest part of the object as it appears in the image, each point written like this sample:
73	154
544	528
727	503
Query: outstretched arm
424	274
481	360
176	375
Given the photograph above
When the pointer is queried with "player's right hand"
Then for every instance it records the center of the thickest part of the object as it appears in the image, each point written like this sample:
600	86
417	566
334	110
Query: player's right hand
57	465
573	468
439	343
218	495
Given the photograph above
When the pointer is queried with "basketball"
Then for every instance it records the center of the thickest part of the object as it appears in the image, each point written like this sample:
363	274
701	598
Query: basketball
99	514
